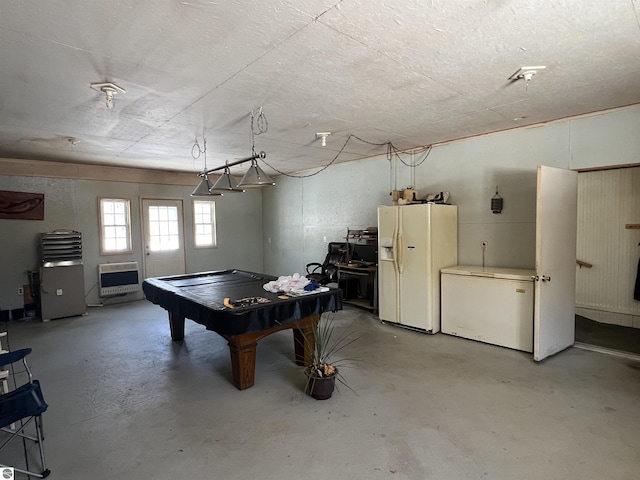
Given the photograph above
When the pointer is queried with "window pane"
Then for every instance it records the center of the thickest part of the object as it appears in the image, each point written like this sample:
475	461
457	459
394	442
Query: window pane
204	223
164	231
116	228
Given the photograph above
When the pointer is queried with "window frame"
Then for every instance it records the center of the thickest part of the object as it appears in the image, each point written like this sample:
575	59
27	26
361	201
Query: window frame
127	225
213	223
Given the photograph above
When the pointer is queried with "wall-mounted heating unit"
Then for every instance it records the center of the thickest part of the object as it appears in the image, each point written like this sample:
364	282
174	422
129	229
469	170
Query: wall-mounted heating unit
118	278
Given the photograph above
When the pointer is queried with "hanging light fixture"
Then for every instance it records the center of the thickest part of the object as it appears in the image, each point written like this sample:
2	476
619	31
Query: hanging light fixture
226	182
204	188
255	177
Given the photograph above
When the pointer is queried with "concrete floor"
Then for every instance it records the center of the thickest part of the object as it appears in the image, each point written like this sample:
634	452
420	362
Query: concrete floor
126	402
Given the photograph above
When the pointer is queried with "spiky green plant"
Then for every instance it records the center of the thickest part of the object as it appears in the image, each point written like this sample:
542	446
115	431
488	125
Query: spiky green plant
327	356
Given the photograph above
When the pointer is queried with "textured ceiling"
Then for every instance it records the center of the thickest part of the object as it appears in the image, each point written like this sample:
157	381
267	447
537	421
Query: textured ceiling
412	72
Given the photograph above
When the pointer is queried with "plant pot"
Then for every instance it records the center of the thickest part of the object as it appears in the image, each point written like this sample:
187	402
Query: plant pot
320	388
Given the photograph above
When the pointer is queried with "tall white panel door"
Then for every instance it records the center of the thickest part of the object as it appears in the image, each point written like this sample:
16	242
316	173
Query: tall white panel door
555	292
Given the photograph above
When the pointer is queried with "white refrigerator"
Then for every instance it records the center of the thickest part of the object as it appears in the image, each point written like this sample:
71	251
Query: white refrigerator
414	243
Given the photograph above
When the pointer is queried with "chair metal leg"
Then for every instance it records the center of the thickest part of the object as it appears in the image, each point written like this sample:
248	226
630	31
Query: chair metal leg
39	438
44	474
40	434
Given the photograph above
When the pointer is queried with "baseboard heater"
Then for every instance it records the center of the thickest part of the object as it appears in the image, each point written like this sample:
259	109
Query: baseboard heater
118	278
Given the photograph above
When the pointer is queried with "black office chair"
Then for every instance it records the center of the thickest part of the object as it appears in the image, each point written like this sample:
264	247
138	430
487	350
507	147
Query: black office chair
327	271
19	408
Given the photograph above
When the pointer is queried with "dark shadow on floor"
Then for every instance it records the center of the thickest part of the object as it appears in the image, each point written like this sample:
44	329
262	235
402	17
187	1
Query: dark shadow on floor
626	339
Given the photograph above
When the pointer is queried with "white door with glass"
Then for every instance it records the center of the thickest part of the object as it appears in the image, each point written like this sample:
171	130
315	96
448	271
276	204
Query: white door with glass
163	237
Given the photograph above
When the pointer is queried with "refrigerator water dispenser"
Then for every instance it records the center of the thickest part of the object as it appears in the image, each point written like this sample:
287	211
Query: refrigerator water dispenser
386	249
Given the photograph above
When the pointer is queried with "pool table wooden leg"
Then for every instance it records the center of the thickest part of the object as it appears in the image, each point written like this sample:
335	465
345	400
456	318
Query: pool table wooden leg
243	361
243	348
176	324
304	342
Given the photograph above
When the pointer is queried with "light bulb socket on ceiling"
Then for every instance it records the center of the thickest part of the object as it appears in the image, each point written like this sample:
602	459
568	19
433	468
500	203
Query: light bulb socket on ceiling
323	136
109	89
526	73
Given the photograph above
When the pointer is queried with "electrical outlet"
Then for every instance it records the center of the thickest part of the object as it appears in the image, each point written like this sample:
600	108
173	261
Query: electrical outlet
20	291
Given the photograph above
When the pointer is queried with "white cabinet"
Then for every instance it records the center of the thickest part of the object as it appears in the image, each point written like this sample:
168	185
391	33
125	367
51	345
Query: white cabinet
62	292
491	305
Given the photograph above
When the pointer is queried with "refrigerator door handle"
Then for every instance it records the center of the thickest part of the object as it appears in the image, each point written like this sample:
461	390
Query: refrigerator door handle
399	253
394	247
397	237
399	246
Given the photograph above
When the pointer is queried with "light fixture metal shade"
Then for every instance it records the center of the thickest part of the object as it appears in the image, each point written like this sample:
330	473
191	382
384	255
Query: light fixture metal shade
203	188
226	183
255	177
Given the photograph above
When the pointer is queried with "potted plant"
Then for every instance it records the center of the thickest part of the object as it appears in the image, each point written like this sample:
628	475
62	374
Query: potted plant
327	360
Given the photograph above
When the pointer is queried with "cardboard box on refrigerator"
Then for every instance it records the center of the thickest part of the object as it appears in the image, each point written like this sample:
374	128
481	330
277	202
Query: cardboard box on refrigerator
402	197
408	194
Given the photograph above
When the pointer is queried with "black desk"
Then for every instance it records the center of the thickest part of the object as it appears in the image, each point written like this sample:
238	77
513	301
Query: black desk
369	273
200	297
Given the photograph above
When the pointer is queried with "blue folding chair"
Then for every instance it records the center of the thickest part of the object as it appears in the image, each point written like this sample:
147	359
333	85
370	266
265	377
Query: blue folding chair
19	408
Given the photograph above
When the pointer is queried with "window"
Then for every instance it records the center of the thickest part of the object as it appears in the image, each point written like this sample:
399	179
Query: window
115	226
204	223
164	228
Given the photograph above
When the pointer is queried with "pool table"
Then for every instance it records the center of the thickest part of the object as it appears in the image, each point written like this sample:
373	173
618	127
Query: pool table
201	298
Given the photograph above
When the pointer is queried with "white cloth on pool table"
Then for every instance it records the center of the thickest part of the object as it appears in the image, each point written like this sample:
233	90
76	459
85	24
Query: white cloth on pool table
287	283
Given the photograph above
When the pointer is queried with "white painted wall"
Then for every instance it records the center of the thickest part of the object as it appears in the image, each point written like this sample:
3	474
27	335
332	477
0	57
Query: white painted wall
298	213
72	204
